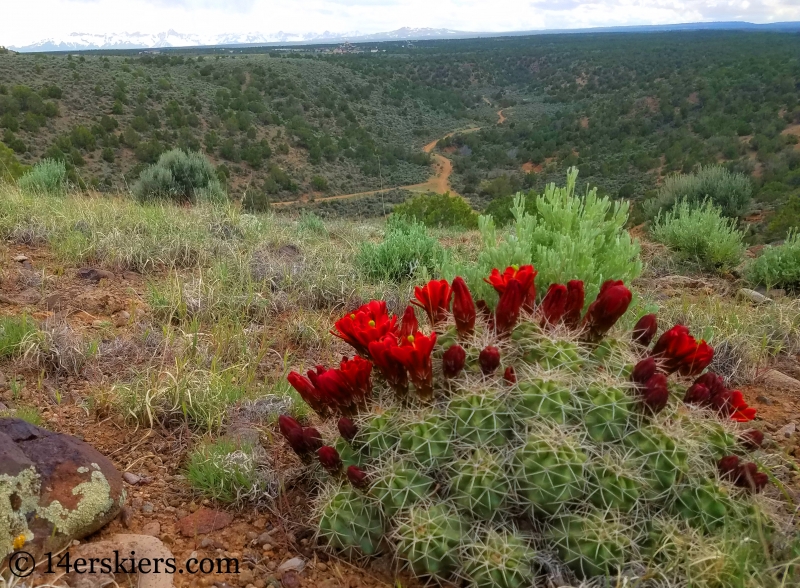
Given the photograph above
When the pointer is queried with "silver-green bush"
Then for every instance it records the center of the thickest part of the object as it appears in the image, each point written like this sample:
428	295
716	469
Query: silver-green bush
778	266
180	177
700	233
49	176
730	191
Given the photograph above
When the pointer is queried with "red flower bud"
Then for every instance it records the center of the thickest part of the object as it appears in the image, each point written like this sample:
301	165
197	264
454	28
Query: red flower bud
508	308
287	424
655	393
312	438
463	307
357	477
554	304
453	361
510	376
749	477
292	431
729	467
329	458
409	325
697	394
645	330
489	359
434	299
644	370
575	300
393	371
678	351
524	275
752	439
309	392
610	304
347	429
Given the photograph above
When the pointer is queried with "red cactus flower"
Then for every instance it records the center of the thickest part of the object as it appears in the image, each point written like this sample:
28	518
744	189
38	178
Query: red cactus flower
463	307
313	438
368	323
678	351
434	299
610	304
525	275
292	431
329	459
510	376
345	388
728	467
357	477
391	369
347	429
752	439
554	304
644	370
575	300
731	403
308	392
414	352
655	393
507	312
453	361
409	325
489	359
645	329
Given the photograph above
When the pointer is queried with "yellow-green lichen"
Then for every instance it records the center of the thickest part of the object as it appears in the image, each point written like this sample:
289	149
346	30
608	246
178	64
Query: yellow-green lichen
96	500
24	488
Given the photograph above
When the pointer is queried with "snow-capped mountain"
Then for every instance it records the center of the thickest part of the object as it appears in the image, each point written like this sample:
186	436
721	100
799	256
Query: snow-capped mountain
171	38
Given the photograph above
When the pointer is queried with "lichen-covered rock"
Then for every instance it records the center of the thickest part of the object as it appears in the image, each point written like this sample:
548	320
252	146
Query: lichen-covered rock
53	488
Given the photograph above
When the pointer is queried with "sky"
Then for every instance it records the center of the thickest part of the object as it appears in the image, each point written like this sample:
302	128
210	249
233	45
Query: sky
28	21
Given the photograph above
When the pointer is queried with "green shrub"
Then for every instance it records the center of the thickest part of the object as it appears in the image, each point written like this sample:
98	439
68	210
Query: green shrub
225	471
700	233
731	192
47	177
13	331
181	177
311	223
501	209
405	250
785	218
565	237
438	210
255	201
778	266
319	183
10	167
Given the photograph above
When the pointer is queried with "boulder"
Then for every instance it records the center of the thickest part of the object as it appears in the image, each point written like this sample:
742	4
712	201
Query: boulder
775	380
752	296
54	488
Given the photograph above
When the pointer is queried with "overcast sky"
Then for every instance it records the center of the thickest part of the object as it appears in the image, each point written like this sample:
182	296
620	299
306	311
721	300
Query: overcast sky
26	21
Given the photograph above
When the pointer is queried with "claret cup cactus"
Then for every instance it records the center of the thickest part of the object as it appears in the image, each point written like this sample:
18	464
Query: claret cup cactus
497	448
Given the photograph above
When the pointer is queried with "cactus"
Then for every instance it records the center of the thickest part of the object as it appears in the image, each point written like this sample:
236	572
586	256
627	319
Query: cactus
428	440
665	460
613	485
349	521
481	419
429	537
549	450
545	399
704	505
591	545
607	413
500	559
479	485
401	486
550	473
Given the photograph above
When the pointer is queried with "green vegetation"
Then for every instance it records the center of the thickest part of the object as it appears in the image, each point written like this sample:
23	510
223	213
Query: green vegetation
225	471
47	177
730	193
406	250
13	332
699	232
438	210
565	236
778	267
181	177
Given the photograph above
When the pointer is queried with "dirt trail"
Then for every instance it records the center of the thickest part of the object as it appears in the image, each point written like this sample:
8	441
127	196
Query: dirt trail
439	182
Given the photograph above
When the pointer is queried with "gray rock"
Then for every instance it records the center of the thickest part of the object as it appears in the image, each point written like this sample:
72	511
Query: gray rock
764	400
20	258
774	379
94	275
145	546
296	564
787	430
147	507
752	296
131	478
153	529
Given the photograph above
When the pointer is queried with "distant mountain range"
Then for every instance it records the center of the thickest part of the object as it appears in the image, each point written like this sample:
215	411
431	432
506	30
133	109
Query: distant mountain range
171	38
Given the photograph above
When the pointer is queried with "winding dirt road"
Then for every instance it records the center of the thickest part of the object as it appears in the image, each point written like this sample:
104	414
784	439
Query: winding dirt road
439	182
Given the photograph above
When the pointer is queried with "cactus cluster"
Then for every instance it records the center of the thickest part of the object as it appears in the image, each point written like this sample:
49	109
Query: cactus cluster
508	445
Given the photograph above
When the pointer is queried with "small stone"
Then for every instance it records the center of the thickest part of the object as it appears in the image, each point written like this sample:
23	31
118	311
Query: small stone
266	547
246	577
204	521
764	400
259	583
296	564
290	580
147	508
271	565
322	566
787	430
3	407
753	296
20	258
94	275
251	535
153	529
131	478
121	318
264	538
